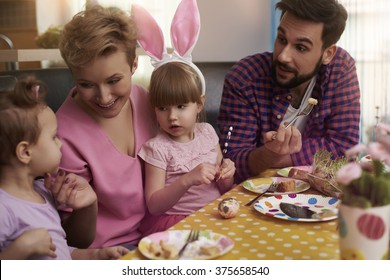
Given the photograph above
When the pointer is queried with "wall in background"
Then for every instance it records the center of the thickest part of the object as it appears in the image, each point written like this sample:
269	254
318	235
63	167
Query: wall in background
233	29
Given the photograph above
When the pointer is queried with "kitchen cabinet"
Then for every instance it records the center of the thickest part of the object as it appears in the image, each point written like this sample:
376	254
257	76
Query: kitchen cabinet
18	23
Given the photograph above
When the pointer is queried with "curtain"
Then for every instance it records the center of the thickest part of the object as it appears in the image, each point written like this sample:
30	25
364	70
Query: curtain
366	38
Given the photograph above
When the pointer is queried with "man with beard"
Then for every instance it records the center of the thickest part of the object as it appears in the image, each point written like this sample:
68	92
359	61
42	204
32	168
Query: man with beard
263	92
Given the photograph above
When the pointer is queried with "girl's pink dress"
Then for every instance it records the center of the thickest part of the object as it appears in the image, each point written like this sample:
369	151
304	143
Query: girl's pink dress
178	159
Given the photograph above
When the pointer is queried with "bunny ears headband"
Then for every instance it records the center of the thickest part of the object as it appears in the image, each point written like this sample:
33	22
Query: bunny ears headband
185	29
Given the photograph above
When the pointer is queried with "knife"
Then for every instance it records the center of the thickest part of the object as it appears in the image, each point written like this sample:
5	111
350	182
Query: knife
295	211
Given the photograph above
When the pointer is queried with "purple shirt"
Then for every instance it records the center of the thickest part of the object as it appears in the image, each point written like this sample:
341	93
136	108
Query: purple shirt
18	215
253	104
116	177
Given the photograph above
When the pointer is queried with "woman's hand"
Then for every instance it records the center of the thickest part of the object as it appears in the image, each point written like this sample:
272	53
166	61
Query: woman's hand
70	190
112	253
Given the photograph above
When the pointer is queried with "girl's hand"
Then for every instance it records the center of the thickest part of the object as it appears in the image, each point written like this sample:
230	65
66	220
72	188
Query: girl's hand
226	170
38	242
71	190
112	253
204	173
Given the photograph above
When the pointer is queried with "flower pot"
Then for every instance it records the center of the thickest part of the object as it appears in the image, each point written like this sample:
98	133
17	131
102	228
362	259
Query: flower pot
364	232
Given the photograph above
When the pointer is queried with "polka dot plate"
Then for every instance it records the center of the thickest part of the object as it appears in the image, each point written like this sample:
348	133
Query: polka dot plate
322	204
259	185
284	171
177	238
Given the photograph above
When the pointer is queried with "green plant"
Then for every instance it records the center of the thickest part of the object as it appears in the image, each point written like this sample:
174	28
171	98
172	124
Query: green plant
367	182
324	172
50	38
326	167
370	189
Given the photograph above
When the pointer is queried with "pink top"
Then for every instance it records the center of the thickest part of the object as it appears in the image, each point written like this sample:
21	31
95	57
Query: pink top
179	158
18	215
116	177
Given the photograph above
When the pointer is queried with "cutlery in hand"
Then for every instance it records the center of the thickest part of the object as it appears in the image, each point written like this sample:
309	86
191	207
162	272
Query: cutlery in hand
305	112
271	188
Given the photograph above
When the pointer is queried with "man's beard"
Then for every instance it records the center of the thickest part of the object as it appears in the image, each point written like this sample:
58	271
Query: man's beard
297	79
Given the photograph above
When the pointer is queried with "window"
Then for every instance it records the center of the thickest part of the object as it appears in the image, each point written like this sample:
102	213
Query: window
366	38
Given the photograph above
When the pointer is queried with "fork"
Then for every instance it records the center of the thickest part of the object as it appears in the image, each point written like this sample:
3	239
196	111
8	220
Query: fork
270	188
192	237
305	112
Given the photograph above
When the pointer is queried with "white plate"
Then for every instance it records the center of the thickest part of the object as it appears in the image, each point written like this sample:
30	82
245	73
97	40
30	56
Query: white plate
259	185
178	239
284	171
270	206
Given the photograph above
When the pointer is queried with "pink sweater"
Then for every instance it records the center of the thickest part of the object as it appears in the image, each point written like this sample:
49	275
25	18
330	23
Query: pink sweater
116	177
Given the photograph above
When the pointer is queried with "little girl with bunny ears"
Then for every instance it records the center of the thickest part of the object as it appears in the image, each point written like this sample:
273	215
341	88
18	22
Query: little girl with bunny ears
183	171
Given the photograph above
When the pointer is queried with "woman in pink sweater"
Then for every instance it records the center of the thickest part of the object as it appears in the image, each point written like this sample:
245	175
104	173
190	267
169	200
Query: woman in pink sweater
104	122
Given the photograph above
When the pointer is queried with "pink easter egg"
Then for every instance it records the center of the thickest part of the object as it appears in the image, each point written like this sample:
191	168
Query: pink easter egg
371	226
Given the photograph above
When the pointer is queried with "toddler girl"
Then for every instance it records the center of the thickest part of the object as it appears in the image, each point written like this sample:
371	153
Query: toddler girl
30	226
183	171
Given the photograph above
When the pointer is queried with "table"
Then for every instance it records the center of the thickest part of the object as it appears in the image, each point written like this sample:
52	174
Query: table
257	236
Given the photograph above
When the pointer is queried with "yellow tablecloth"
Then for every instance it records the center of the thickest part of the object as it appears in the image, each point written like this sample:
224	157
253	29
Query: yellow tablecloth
257	236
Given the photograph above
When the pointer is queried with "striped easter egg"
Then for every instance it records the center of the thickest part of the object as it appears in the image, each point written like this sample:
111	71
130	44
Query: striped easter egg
371	226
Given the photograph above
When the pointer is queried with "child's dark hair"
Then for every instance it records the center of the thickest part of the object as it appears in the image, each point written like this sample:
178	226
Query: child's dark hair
174	83
19	109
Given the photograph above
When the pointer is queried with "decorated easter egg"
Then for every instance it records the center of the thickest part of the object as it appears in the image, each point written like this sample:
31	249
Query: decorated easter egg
228	207
371	226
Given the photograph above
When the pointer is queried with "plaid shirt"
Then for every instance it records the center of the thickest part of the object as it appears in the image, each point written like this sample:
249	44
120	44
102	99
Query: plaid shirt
253	104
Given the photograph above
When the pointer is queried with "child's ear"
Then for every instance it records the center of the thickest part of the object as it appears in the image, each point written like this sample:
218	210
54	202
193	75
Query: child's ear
201	104
23	152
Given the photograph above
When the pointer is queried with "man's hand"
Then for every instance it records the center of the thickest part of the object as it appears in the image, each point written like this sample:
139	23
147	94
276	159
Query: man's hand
285	141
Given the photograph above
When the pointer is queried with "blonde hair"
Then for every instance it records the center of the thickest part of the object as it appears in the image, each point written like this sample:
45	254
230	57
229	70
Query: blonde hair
19	111
174	83
97	32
